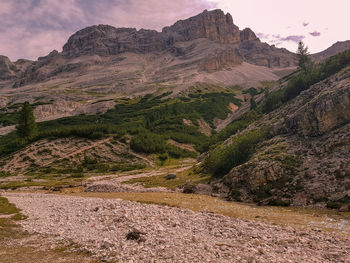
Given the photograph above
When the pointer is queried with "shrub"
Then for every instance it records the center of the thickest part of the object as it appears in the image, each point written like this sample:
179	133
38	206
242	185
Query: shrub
224	158
148	142
305	79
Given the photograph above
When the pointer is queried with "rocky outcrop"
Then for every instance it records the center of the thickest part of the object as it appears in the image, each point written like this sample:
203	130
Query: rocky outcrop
306	159
213	25
247	34
220	60
262	54
321	108
107	40
8	70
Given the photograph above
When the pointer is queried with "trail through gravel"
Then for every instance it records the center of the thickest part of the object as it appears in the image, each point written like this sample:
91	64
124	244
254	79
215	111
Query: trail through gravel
167	234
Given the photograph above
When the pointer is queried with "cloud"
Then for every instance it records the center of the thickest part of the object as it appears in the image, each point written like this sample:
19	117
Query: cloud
292	38
32	28
305	24
315	34
263	36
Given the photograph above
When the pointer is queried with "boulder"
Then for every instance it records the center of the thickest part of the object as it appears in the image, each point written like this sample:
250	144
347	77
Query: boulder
170	176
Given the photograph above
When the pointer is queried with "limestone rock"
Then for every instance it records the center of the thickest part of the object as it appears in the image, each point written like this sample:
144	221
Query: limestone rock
7	68
214	25
247	34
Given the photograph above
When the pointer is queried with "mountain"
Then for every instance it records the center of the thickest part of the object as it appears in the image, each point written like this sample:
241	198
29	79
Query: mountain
102	62
121	99
336	48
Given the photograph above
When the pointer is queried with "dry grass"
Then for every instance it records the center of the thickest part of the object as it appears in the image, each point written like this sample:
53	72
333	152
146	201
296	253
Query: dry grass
301	218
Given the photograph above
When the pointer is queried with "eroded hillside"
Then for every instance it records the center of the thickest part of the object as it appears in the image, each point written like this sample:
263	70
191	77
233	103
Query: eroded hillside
302	157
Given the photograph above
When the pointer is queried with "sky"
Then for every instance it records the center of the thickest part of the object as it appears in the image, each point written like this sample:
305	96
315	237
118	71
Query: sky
33	28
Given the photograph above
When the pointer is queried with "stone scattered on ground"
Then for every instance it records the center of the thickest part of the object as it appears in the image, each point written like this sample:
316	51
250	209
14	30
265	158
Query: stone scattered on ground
168	234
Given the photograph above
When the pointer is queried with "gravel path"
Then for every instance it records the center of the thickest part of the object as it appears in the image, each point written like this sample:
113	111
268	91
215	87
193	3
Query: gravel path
169	234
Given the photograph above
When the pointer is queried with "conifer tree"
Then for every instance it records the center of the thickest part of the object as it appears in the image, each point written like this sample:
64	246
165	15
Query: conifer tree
27	128
304	61
252	104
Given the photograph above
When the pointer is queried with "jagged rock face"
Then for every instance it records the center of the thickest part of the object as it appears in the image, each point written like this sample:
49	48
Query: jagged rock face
262	54
204	49
213	25
306	159
7	68
322	108
247	34
220	60
107	40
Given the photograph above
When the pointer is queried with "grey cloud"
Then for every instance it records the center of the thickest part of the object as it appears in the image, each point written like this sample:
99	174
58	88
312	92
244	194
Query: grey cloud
278	39
315	34
32	28
293	38
262	35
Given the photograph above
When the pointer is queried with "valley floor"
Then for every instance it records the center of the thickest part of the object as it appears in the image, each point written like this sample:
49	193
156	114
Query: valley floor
168	234
166	226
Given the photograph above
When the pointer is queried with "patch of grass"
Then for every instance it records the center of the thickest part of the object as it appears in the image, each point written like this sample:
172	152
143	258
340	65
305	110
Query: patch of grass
182	178
6	174
7	208
47	184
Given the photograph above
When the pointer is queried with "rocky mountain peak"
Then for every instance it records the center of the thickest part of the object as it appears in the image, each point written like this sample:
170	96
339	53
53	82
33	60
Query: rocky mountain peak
213	25
102	40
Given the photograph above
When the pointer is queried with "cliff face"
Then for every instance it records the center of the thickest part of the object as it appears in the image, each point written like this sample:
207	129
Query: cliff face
223	46
107	40
306	160
213	25
7	68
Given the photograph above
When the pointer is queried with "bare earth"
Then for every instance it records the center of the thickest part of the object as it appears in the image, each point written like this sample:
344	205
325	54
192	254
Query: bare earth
171	234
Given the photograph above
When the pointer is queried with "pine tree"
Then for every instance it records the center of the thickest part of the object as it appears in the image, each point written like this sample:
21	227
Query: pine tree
303	54
252	104
27	128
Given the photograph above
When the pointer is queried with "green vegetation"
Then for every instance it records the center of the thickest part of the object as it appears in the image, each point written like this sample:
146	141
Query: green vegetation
27	128
7	208
252	91
238	125
304	79
147	142
160	117
183	178
12	117
304	60
223	158
253	104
